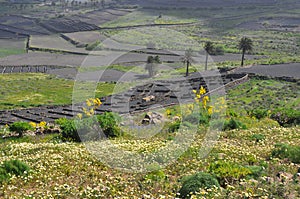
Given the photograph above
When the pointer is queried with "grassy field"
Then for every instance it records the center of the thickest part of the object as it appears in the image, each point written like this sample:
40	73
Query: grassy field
264	94
144	17
27	90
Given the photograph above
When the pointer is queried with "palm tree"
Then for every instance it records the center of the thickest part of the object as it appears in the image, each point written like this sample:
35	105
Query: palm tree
245	45
208	47
188	60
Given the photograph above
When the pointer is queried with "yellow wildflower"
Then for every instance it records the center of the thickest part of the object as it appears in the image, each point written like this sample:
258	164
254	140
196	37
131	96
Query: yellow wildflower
42	124
202	90
88	103
79	115
191	106
194	91
210	110
168	112
98	101
33	124
88	114
92	112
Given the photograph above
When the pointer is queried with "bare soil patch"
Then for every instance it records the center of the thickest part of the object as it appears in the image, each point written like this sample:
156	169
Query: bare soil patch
86	37
278	70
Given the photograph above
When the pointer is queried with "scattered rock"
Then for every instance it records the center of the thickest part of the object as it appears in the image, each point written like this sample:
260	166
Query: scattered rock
176	119
284	177
149	98
152	118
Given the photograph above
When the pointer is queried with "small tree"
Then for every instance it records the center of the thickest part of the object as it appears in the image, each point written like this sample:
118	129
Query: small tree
208	47
151	65
188	60
245	45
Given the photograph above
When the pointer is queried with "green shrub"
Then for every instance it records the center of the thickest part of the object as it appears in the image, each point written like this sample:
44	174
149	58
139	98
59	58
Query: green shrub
228	171
287	151
68	130
217	50
20	127
109	124
217	124
192	184
258	113
231	113
3	175
192	118
15	167
286	117
201	118
204	119
233	124
256	171
97	45
157	175
258	137
174	126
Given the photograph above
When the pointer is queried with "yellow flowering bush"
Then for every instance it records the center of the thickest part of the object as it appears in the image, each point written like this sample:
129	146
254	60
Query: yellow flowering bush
91	105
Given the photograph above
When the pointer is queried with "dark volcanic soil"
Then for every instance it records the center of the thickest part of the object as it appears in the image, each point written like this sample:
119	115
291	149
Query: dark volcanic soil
279	70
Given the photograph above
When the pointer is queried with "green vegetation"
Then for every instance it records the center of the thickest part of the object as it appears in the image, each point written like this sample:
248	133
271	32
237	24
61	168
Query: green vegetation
287	151
192	184
228	161
135	69
68	130
30	89
245	45
228	172
286	116
109	124
243	163
264	95
10	51
233	124
20	127
12	167
143	17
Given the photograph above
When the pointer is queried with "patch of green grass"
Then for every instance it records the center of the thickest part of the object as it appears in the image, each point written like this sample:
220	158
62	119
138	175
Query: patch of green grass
10	51
135	69
31	89
264	94
143	17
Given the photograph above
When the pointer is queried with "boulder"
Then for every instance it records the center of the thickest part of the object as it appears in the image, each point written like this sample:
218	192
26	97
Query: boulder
152	118
149	98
